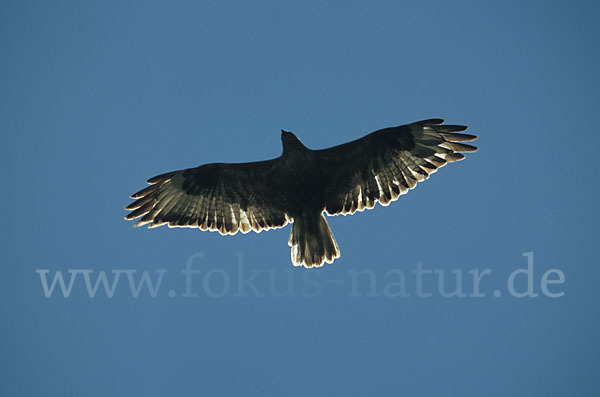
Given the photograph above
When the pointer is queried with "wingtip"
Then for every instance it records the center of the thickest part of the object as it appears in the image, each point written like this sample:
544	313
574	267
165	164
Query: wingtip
160	178
454	137
431	122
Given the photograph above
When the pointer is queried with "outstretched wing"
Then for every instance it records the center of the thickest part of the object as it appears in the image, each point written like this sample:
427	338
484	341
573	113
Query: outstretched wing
388	163
219	197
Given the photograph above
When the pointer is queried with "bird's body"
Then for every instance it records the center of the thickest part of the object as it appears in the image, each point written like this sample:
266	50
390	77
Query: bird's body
301	185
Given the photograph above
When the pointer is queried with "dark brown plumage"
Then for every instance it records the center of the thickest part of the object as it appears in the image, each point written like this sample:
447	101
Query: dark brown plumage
301	186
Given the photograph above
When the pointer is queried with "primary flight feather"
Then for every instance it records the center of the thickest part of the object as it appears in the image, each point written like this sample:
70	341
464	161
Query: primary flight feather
301	186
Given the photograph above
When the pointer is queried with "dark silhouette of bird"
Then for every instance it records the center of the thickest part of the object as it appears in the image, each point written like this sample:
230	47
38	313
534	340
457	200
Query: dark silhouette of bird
301	186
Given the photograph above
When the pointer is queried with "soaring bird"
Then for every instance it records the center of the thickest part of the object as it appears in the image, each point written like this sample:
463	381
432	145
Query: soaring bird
301	186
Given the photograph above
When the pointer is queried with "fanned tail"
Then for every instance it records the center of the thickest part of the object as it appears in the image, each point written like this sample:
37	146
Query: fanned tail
312	242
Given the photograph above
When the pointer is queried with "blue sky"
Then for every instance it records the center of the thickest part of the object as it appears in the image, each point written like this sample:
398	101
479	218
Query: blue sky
96	97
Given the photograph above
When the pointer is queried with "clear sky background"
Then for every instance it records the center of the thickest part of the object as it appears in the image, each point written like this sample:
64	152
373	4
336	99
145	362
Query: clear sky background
96	97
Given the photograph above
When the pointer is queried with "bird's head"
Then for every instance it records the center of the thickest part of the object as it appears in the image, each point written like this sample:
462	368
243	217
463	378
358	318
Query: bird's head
290	142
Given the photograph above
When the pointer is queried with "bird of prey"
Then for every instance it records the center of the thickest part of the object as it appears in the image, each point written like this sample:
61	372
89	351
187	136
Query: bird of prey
301	186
